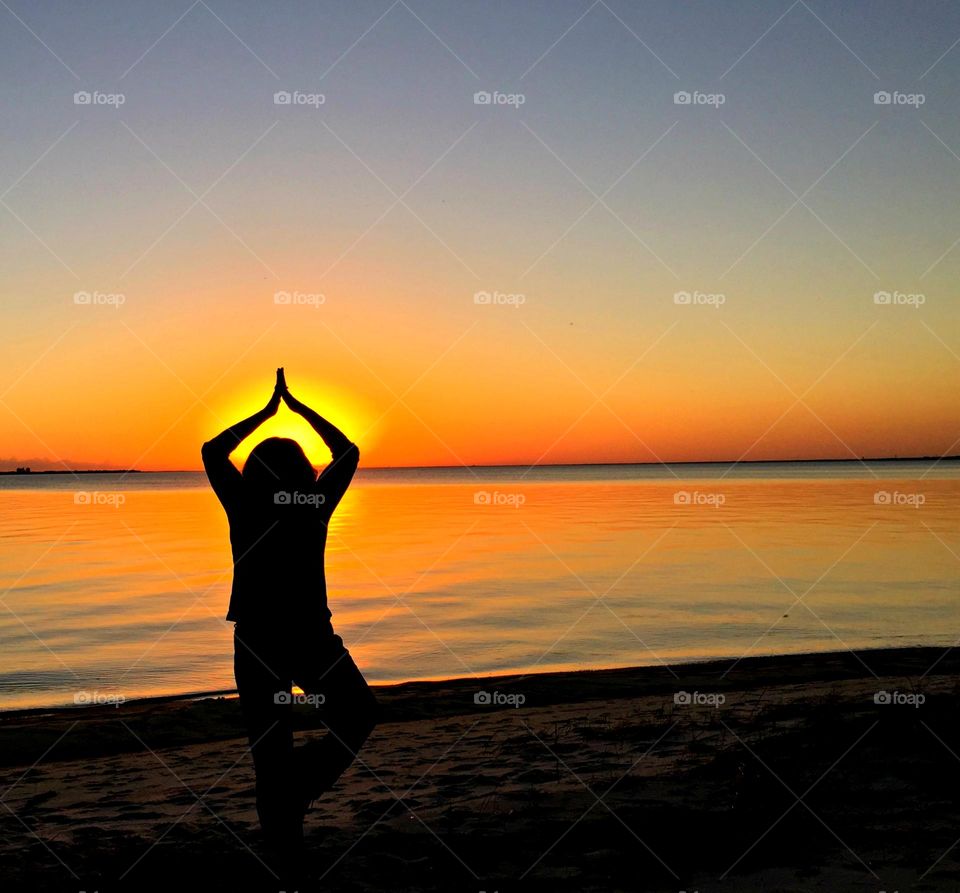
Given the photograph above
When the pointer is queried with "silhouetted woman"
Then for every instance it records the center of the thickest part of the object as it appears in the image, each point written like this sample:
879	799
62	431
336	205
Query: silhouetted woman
278	511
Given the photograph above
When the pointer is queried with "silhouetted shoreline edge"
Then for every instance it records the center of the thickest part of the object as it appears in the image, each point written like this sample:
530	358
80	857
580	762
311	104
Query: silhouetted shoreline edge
190	718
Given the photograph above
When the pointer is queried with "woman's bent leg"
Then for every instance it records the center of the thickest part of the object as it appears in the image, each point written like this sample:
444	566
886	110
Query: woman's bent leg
350	712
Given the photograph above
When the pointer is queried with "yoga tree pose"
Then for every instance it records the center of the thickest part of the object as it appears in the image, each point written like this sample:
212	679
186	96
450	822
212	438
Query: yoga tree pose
279	510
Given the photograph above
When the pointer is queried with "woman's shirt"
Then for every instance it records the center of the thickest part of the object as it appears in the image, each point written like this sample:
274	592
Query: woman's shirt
278	538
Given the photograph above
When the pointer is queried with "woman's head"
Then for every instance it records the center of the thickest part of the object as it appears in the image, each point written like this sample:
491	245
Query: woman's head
278	463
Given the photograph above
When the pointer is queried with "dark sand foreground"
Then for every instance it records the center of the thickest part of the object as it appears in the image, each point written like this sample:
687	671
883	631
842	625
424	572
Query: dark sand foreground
798	780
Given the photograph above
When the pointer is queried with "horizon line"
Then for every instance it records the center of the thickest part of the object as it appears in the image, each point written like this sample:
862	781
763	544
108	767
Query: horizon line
861	460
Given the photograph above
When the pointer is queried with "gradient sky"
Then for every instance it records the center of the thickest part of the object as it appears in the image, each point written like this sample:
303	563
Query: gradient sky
399	198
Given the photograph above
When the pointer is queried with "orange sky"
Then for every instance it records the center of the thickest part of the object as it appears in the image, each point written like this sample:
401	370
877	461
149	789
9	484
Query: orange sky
139	386
399	198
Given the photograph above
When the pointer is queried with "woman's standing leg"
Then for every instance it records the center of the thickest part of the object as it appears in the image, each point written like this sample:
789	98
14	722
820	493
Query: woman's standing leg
263	685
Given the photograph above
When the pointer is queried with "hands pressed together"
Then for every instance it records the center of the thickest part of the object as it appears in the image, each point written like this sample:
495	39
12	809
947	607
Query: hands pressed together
280	392
340	446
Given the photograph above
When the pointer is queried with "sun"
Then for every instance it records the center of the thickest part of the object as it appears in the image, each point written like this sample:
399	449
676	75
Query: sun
346	411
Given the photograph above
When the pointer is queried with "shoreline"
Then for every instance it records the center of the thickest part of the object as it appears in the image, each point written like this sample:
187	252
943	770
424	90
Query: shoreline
185	719
681	667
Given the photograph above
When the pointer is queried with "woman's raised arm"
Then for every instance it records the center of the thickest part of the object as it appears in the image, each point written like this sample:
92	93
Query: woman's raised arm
337	442
223	475
336	477
228	440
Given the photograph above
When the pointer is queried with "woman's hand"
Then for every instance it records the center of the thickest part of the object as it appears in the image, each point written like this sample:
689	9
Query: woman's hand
279	391
292	402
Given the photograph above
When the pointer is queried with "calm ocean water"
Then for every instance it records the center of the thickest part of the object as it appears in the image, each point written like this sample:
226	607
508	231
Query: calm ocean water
117	586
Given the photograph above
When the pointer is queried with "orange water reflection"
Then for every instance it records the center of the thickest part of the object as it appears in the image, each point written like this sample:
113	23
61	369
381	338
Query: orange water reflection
432	580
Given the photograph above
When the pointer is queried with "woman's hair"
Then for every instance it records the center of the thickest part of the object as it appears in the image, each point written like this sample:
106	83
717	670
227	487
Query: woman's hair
278	463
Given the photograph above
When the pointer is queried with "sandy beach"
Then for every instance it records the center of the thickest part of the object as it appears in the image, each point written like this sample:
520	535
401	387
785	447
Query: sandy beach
773	773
